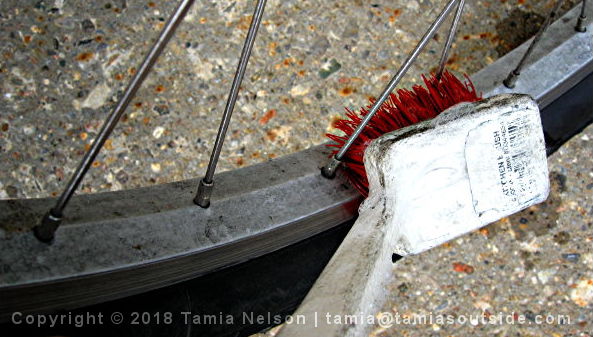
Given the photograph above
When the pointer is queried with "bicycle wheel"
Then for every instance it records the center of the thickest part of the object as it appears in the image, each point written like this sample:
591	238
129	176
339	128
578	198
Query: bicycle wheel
133	241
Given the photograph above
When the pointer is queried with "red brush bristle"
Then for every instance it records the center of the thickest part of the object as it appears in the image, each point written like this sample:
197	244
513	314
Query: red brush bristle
398	111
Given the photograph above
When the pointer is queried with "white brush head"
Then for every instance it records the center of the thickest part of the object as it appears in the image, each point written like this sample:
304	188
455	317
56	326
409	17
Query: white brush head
472	165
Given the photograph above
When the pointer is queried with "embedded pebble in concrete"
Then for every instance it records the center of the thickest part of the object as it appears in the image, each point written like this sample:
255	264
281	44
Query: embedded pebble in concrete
64	64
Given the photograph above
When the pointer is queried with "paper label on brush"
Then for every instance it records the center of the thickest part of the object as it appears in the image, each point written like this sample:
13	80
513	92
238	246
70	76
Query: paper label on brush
504	164
472	165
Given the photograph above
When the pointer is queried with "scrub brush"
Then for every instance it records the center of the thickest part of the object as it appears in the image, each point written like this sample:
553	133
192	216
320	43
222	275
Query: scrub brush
405	108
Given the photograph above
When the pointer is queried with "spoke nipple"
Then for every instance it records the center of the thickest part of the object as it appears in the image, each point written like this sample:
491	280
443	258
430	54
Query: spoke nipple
329	170
202	198
46	230
511	80
580	27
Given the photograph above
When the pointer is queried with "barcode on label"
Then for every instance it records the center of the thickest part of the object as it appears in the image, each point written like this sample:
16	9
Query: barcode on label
513	158
517	129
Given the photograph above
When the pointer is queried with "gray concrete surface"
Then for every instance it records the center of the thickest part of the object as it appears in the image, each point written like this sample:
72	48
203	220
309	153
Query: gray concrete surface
64	63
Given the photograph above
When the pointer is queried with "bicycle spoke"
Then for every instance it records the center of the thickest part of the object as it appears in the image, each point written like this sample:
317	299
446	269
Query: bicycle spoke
207	183
581	27
51	221
513	76
329	170
450	38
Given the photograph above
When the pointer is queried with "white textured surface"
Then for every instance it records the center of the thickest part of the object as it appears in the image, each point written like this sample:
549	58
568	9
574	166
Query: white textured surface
472	165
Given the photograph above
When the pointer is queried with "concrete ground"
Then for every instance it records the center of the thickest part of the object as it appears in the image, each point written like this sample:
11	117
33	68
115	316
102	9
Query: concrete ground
64	63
